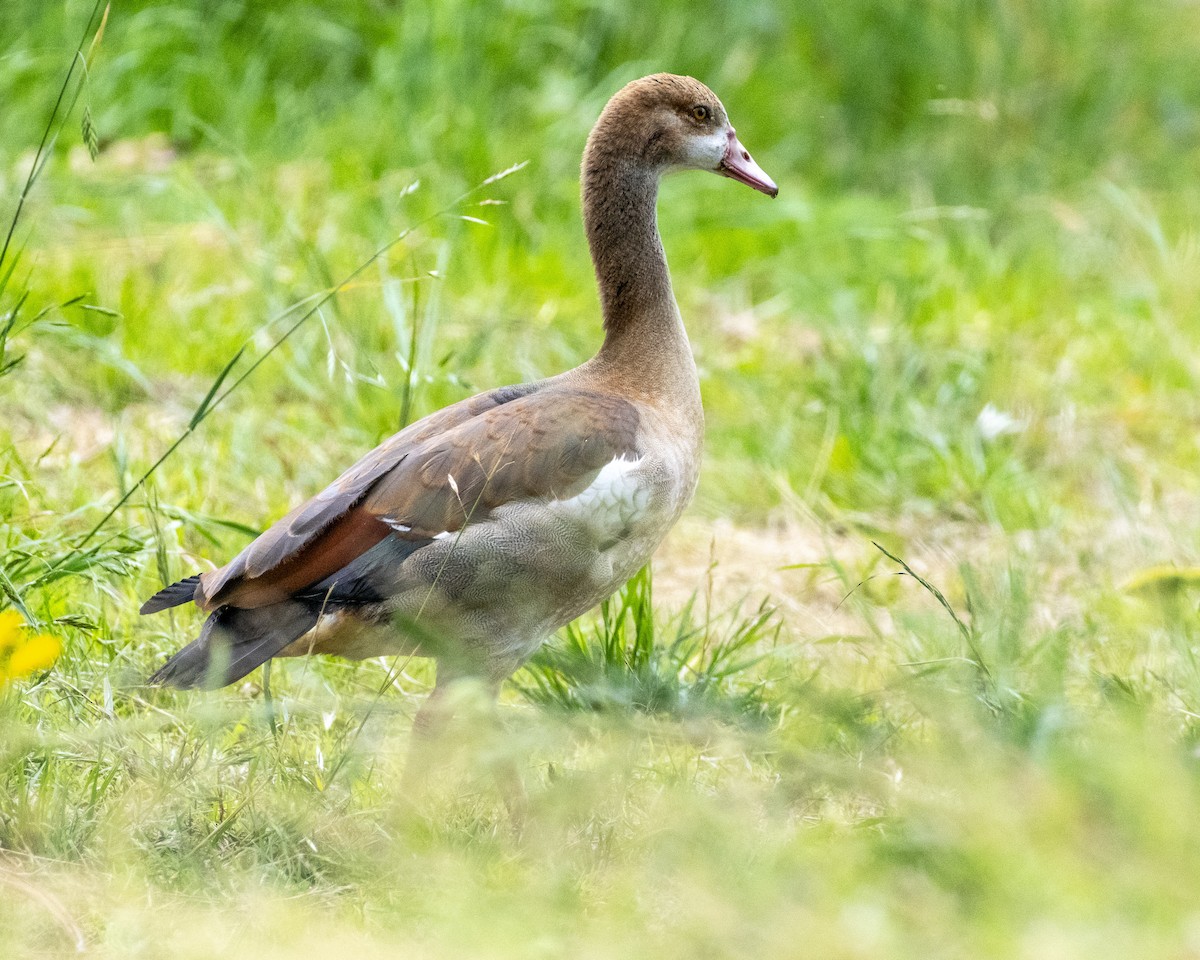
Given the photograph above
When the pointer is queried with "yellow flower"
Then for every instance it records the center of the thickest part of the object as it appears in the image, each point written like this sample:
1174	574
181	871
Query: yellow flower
10	629
21	653
38	653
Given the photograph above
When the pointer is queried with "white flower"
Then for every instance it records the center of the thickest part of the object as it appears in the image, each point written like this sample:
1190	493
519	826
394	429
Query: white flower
992	423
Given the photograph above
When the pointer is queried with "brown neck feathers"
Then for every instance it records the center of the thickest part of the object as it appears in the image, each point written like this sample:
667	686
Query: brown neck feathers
619	193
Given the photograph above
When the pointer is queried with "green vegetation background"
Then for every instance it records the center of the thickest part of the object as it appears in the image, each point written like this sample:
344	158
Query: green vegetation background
966	329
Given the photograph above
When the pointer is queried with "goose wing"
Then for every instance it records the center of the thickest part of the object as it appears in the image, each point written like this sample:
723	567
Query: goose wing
432	478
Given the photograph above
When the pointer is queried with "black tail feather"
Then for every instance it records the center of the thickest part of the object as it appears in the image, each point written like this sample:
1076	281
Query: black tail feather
233	642
172	596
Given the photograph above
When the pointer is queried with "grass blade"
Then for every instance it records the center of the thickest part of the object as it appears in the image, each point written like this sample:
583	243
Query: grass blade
967	634
50	134
206	403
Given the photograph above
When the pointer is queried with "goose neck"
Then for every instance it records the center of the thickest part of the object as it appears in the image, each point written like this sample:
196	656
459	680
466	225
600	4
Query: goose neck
631	268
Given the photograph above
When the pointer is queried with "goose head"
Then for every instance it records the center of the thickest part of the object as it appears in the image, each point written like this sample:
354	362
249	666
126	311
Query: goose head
664	123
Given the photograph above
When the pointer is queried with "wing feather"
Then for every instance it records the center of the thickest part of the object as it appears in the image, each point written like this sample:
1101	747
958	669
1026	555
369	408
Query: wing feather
548	446
434	477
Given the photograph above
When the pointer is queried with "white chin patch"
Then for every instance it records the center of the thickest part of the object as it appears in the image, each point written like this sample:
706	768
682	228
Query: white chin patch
706	152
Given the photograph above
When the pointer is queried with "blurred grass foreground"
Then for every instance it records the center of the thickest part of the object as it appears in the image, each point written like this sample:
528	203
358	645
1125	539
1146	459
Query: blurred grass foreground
967	332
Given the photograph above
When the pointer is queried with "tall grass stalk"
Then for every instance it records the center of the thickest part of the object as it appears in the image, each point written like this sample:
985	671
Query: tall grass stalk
216	396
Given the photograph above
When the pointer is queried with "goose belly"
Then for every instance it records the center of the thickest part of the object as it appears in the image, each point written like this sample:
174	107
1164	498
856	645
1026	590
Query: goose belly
536	565
616	524
498	588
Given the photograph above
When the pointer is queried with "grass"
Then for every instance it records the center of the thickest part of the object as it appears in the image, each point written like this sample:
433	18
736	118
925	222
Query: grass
965	332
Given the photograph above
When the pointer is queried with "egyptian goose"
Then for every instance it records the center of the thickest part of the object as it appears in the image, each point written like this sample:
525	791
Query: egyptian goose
475	533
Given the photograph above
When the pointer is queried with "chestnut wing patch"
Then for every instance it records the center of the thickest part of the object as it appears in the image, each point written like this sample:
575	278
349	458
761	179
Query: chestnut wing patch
308	528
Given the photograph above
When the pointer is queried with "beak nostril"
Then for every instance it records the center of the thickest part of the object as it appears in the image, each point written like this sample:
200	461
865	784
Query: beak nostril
739	165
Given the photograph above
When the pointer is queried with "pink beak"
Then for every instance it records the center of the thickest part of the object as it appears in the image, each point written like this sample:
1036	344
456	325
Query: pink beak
737	164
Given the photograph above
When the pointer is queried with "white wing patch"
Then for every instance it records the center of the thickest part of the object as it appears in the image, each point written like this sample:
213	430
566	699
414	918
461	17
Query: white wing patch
614	500
405	528
610	505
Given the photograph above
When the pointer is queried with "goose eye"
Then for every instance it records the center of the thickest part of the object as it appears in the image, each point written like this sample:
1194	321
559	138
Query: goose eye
700	112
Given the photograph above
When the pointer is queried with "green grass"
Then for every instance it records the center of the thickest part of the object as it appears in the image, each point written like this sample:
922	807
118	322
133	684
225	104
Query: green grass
965	331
